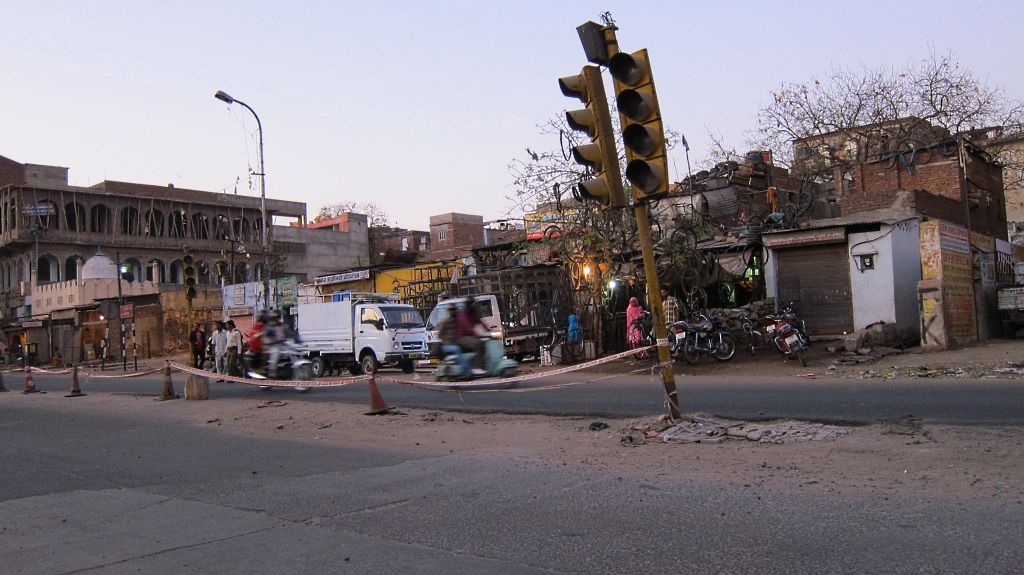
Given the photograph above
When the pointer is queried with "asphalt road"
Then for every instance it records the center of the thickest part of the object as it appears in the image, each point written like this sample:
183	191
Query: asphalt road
115	494
948	401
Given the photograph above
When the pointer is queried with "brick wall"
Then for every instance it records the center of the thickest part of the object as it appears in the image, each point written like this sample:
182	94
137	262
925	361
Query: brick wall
939	191
941	176
987	197
11	172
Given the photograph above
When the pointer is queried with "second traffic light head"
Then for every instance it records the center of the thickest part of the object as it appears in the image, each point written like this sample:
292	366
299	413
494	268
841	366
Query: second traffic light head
600	156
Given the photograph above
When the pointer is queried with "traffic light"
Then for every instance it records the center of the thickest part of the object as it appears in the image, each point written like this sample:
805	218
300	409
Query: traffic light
188	266
643	131
596	121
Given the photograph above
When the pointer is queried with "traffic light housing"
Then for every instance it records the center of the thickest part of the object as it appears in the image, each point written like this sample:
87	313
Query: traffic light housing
599	155
188	266
643	131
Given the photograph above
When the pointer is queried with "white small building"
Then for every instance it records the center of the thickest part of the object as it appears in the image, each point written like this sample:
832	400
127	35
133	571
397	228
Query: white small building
849	273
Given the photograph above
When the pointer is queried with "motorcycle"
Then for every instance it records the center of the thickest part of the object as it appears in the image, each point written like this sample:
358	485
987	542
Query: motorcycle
292	365
704	337
497	365
787	314
787	337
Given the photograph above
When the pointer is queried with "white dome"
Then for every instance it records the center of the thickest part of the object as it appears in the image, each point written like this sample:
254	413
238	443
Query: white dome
99	267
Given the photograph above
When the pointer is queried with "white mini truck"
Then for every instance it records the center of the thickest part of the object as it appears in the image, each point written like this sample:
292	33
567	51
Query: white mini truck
360	332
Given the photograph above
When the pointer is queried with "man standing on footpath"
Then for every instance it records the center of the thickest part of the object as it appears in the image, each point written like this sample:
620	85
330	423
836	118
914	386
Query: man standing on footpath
234	348
198	342
219	338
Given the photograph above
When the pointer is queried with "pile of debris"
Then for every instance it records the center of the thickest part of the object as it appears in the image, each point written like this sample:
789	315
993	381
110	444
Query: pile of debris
864	354
732	318
705	429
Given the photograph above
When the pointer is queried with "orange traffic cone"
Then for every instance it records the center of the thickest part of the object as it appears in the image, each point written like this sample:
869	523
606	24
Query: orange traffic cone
30	382
168	391
2	388
377	403
75	390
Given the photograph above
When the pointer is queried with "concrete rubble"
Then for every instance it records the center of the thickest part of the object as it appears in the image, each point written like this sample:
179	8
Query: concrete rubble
864	354
705	429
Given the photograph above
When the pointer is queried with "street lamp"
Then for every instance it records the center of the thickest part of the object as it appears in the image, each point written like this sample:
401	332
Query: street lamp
224	97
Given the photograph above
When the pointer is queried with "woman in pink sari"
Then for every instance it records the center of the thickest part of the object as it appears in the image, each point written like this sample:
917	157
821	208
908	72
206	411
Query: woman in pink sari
634	336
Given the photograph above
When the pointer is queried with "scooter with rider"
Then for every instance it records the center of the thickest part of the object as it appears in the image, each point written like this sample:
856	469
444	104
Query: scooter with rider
470	350
285	358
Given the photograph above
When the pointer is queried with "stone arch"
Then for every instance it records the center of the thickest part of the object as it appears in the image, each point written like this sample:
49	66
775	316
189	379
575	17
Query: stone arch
177	275
134	266
99	219
131	222
241	229
177	224
221	228
74	217
155	271
204	275
154	223
200	226
72	265
241	274
48	268
257	230
50	222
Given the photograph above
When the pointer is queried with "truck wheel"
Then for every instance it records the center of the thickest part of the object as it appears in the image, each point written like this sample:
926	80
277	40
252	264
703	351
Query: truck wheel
368	364
408	366
318	366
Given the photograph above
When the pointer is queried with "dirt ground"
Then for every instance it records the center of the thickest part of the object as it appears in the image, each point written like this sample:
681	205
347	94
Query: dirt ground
903	459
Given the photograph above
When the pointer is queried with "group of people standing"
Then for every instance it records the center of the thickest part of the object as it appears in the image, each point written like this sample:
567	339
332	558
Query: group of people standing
224	343
635	313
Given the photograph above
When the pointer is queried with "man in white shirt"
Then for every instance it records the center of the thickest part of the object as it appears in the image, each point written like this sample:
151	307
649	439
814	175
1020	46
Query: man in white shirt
234	347
219	338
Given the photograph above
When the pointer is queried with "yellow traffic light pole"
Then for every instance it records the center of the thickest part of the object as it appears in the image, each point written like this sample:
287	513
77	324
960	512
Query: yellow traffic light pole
668	376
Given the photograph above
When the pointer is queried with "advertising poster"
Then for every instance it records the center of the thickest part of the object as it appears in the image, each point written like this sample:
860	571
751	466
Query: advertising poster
946	254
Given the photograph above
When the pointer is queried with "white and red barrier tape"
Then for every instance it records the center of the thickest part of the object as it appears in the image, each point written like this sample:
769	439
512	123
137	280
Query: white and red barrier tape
273	382
493	382
47	371
92	375
489	385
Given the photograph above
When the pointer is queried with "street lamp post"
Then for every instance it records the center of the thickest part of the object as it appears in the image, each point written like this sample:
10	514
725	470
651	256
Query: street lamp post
224	97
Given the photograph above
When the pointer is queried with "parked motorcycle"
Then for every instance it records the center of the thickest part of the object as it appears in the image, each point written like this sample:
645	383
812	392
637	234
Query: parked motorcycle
292	364
496	364
691	340
787	314
787	337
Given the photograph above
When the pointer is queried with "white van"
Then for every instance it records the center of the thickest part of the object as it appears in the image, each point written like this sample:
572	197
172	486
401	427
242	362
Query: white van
360	331
486	307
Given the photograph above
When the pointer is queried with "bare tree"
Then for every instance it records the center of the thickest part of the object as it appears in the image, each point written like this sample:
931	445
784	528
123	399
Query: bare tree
376	217
877	108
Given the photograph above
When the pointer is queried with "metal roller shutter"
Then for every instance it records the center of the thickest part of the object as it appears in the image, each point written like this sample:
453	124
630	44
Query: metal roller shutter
819	277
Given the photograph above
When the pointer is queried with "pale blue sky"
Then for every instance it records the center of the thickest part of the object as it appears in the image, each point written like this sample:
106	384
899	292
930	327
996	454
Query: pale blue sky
417	106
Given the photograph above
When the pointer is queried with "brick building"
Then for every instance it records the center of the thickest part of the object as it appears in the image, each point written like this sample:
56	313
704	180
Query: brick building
455	235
